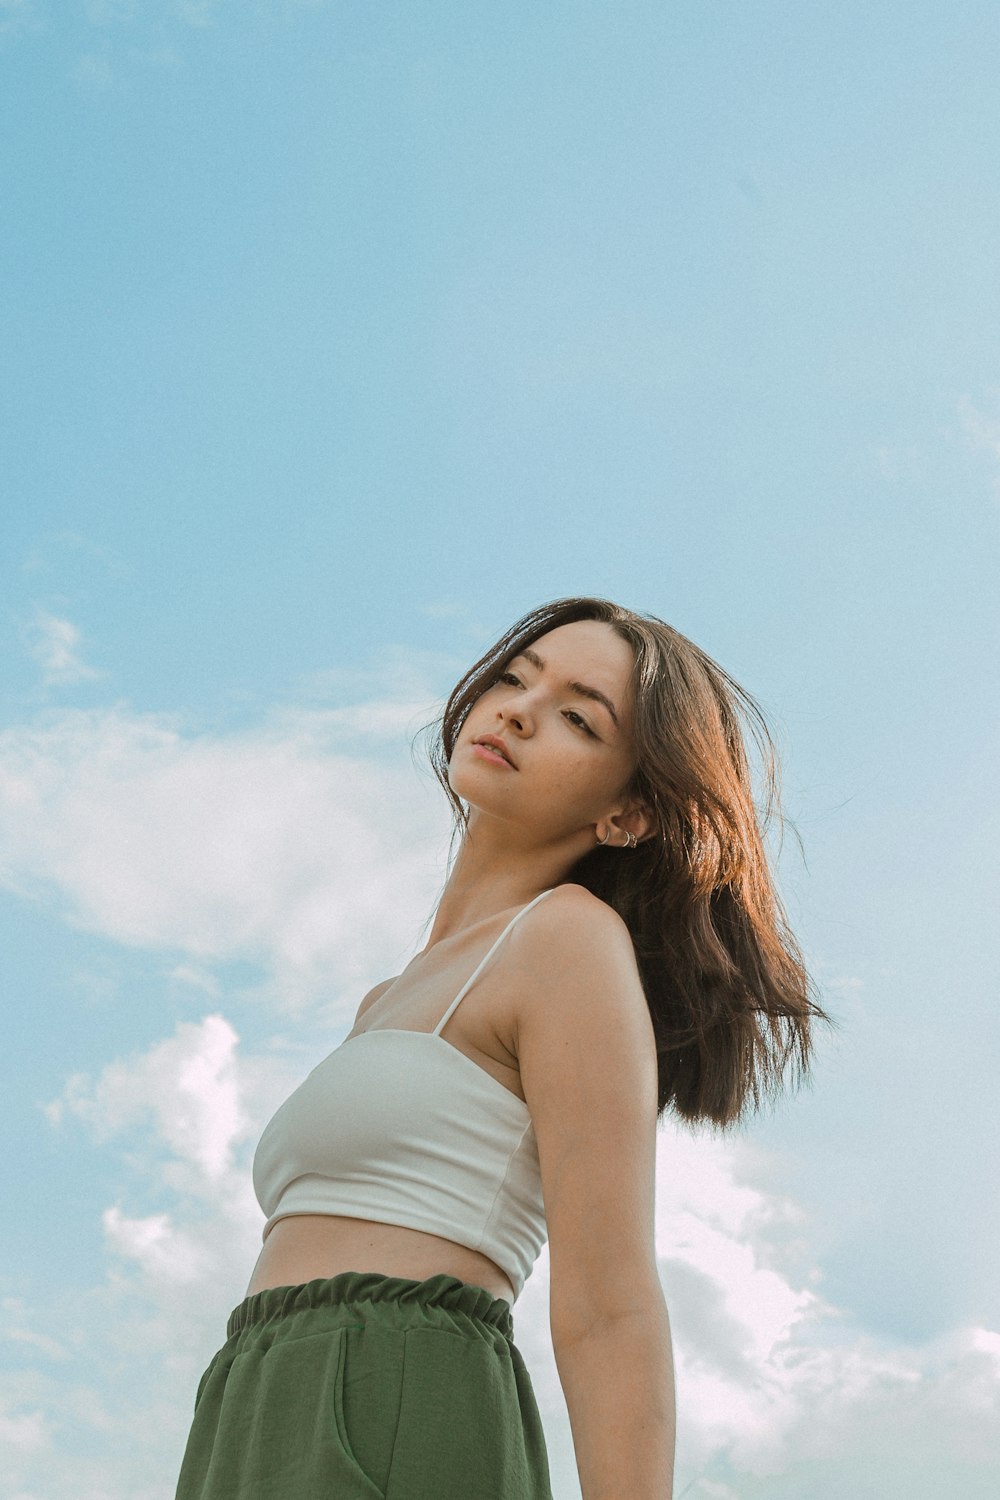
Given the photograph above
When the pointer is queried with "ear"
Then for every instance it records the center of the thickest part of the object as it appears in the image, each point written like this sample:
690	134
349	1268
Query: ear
637	818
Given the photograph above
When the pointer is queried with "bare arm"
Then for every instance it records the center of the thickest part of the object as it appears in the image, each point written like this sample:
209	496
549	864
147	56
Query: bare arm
588	1063
618	1381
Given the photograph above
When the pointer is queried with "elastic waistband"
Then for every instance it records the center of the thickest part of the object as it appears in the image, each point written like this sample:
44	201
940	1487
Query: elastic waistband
398	1293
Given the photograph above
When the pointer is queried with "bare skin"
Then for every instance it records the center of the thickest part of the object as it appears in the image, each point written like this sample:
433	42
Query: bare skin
528	827
303	1246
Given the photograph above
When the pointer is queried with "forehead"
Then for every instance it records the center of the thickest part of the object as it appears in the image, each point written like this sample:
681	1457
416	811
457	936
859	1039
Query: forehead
589	646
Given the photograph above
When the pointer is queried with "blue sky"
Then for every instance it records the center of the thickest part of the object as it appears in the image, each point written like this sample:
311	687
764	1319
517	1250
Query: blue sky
335	337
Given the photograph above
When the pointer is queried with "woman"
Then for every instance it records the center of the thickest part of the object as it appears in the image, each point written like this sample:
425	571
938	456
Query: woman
612	922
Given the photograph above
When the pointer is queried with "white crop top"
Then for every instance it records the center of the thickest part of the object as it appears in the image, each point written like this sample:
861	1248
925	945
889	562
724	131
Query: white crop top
403	1128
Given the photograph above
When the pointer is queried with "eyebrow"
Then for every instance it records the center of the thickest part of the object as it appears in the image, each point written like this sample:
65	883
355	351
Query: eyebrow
578	687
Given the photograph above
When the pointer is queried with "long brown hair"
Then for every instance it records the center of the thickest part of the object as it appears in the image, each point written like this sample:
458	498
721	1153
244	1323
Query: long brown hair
729	994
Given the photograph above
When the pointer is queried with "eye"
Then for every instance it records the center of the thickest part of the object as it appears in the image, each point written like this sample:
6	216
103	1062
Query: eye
570	712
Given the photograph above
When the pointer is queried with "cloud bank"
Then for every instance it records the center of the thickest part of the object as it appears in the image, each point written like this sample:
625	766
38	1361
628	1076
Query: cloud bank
772	1378
284	846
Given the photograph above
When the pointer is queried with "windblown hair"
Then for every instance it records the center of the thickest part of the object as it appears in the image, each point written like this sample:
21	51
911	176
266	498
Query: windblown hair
729	994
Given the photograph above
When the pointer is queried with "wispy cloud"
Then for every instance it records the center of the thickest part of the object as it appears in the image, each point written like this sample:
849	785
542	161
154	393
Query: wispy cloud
54	643
196	12
18	16
983	428
52	551
396	678
107	12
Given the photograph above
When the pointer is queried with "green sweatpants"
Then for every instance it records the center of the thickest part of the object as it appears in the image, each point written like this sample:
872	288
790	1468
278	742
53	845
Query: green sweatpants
367	1387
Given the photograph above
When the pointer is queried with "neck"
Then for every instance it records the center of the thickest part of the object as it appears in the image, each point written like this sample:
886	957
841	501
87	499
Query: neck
491	874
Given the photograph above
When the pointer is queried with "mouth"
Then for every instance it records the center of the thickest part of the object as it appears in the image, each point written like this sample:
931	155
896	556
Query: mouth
493	749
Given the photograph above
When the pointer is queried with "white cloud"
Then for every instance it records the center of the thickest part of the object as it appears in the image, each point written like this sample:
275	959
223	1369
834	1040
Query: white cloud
53	641
23	1430
187	1084
770	1374
272	845
177	1118
774	1382
195	977
15	1328
155	1244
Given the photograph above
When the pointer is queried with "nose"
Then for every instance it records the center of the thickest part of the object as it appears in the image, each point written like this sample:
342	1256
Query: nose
513	720
514	715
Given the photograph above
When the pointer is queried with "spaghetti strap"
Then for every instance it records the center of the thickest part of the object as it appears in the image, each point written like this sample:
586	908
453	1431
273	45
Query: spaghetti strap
466	987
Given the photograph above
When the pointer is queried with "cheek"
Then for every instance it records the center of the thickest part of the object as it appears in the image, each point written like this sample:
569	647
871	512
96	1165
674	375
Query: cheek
576	780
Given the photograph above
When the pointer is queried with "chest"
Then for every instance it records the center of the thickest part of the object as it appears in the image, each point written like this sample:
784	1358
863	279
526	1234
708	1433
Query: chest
481	1026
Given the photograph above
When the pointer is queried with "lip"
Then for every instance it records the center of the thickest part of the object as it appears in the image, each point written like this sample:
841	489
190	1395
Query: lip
493	749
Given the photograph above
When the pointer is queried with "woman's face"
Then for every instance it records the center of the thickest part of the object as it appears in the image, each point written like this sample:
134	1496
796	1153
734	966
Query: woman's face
572	754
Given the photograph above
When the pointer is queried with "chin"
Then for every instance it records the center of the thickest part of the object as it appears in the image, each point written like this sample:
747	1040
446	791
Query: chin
469	788
472	788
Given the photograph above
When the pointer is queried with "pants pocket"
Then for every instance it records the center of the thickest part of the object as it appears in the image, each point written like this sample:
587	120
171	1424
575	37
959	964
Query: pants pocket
276	1426
364	1414
461	1429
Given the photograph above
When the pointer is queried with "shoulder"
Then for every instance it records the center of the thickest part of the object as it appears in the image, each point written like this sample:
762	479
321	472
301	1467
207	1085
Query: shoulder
572	908
572	933
576	985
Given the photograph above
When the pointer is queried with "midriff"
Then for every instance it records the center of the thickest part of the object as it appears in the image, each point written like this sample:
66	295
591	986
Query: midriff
302	1247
